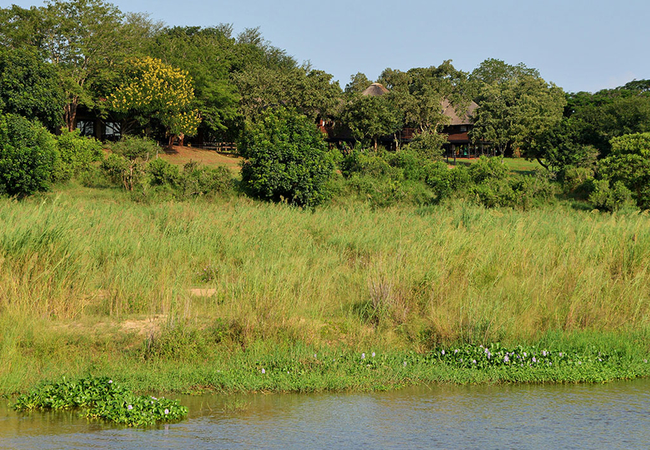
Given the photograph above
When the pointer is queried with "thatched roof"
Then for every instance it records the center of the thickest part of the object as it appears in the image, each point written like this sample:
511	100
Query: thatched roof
375	90
449	111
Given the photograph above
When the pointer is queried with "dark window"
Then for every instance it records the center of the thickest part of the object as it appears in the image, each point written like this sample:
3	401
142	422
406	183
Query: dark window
113	130
86	127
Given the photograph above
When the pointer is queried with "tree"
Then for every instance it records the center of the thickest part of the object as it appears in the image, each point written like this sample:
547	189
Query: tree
30	87
154	90
312	92
358	83
286	158
206	54
516	107
629	163
371	117
420	93
560	147
82	39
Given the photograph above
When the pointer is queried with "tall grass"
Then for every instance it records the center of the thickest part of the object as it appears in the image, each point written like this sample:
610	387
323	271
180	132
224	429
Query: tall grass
79	264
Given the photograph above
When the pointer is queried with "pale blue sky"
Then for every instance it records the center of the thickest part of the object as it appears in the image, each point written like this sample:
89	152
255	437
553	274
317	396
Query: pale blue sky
578	44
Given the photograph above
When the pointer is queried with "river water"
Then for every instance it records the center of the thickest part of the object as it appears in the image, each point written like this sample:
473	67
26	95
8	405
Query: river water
614	415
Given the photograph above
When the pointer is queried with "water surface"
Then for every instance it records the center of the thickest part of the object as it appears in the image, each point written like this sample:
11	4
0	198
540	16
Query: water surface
615	415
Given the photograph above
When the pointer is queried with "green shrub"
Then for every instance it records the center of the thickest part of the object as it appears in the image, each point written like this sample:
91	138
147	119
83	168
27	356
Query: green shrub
629	163
488	169
427	145
370	163
27	156
163	173
133	148
577	181
286	159
199	180
495	193
124	172
76	152
610	198
446	182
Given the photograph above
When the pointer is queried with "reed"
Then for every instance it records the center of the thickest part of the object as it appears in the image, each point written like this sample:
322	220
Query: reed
194	278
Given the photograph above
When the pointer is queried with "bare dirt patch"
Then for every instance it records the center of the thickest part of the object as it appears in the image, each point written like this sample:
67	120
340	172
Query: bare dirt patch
182	155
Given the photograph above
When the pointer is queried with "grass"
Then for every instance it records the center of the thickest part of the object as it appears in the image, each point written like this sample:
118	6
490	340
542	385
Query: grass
194	295
520	166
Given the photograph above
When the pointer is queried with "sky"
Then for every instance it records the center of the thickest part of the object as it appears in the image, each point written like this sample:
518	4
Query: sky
580	45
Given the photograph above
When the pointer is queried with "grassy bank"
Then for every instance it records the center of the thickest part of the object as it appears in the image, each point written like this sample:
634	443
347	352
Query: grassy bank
178	296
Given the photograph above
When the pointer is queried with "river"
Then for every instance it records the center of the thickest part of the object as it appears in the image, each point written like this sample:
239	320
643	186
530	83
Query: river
612	416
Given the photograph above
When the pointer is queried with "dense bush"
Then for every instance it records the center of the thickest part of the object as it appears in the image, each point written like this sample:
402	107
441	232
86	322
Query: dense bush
196	180
610	198
76	152
286	159
369	163
133	147
27	156
123	171
629	163
427	145
166	179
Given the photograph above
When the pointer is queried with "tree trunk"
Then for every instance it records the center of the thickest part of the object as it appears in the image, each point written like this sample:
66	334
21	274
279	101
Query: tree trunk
70	114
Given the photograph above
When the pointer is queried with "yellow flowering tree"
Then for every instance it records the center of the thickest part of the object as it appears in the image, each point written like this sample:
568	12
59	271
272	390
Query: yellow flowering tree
154	90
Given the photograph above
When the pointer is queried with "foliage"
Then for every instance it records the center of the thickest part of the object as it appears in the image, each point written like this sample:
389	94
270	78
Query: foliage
610	198
206	54
311	92
82	39
515	108
560	147
29	87
286	158
128	173
371	117
419	93
428	145
101	398
27	156
152	89
358	83
629	163
134	147
76	153
609	113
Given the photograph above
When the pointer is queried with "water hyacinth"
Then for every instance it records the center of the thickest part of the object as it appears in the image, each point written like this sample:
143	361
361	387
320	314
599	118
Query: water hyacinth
100	398
495	355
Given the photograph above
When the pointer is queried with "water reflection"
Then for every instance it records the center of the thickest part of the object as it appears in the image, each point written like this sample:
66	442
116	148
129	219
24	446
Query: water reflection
614	415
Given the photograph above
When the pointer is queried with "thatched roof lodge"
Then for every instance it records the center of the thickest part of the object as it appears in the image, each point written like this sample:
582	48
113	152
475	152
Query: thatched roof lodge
375	90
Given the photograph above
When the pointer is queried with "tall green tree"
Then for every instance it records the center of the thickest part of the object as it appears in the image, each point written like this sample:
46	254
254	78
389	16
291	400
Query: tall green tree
629	163
29	87
83	40
371	117
420	92
207	55
516	106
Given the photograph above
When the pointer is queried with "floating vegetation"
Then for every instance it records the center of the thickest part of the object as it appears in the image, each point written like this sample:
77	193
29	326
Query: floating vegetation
101	398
